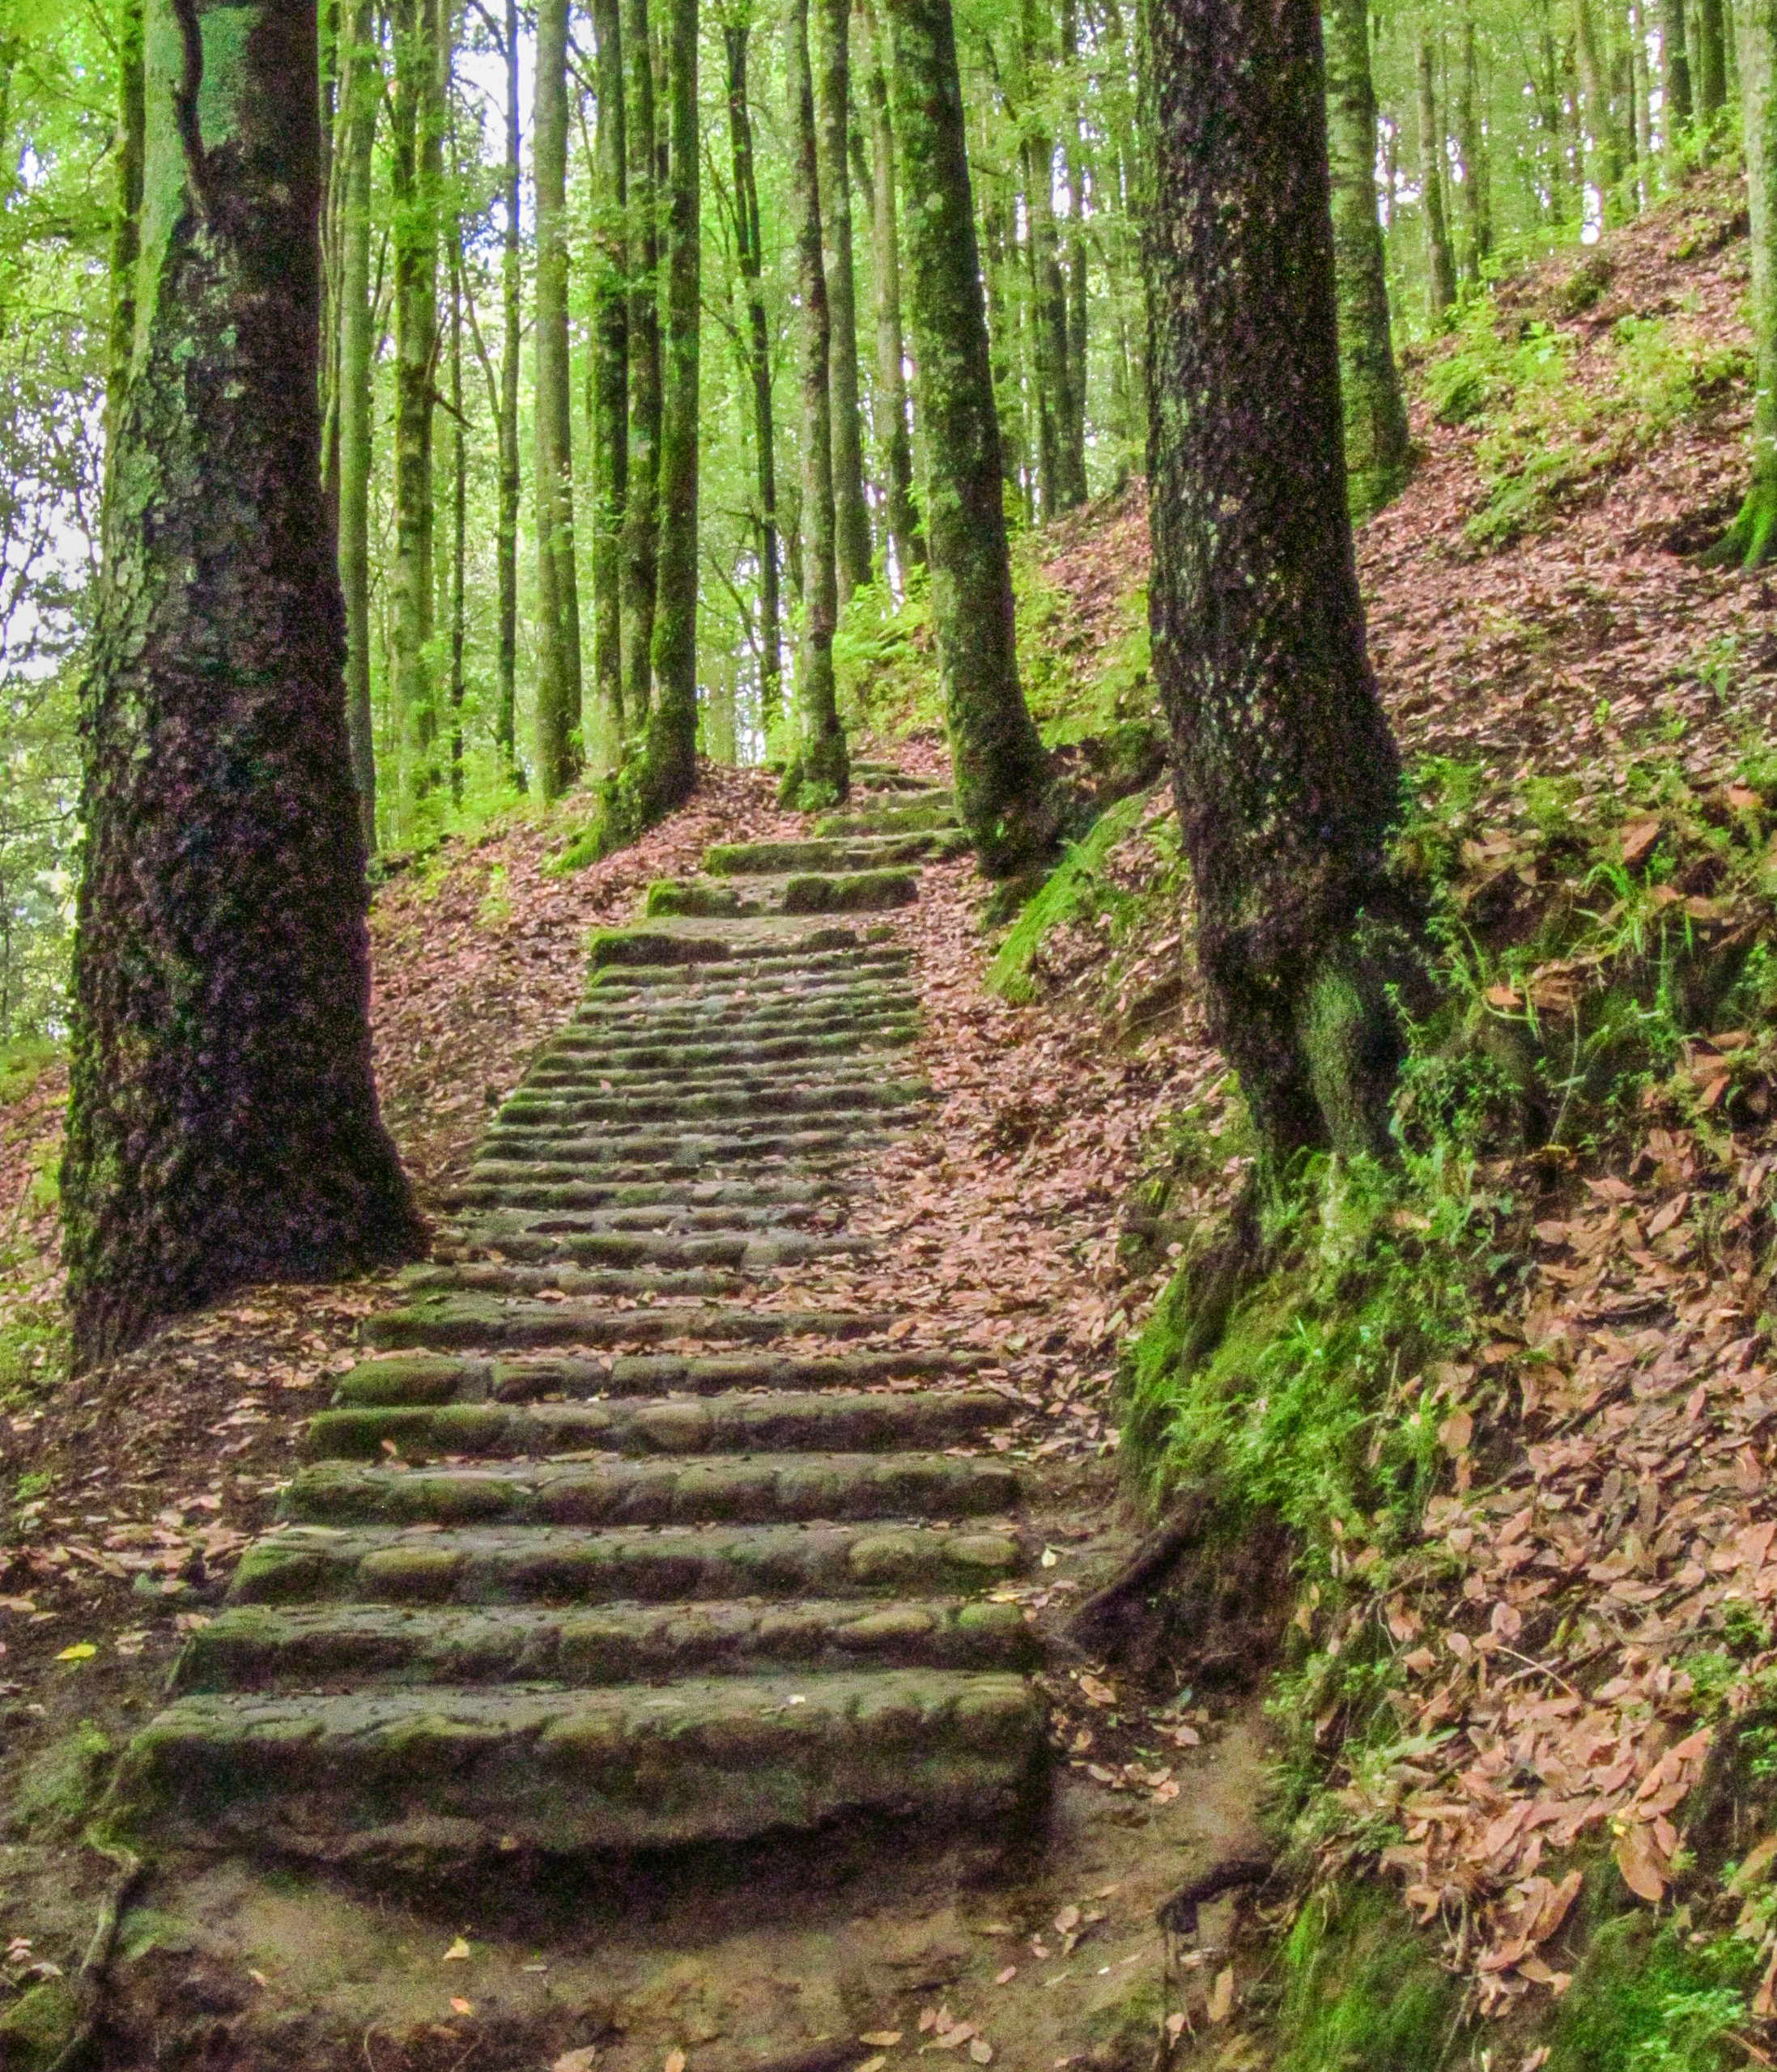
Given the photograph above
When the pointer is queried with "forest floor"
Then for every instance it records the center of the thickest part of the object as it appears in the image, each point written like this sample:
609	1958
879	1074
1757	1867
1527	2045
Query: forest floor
1558	1649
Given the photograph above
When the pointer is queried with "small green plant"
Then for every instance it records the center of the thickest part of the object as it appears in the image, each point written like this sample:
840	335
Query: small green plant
1654	1999
1071	891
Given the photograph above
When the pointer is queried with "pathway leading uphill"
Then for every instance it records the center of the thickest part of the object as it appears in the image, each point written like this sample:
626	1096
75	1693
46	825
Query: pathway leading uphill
605	1547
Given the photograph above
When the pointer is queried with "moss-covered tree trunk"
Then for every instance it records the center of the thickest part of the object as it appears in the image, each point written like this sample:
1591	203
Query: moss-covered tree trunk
611	374
1440	265
671	749
1604	152
1750	540
506	523
1004	795
1675	81
831	54
126	218
1076	269
897	447
1476	170
223	1125
418	166
1712	81
1285	771
361	96
819	771
641	507
736	32
558	747
1376	439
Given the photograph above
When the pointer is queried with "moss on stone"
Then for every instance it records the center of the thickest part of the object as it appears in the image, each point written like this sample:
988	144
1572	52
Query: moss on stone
36	2029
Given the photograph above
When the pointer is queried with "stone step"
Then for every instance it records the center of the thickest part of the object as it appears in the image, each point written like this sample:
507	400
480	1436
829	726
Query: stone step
589	1071
734	1421
425	1379
610	1152
849	892
496	1564
762	939
651	1052
517	1187
692	1165
751	966
693	1104
610	1283
768	1489
607	1006
256	1647
439	1779
919	816
664	1219
860	1025
890	777
857	853
664	1259
448	1322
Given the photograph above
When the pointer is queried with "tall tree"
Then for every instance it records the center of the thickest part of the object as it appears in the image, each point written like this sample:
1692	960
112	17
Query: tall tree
1750	540
1004	795
1712	80
1377	443
419	167
506	548
1440	266
737	32
1472	142
1675	75
559	748
1603	154
361	101
890	401
223	1124
831	55
1076	269
641	507
1064	464
819	771
610	373
1285	771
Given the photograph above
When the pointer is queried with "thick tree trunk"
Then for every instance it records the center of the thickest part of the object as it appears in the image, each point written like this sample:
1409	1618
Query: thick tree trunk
1004	795
611	374
832	111
223	1125
897	448
1711	71
1284	767
1752	539
1440	266
737	34
419	181
1376	439
1675	79
363	93
819	771
506	536
671	753
559	744
641	508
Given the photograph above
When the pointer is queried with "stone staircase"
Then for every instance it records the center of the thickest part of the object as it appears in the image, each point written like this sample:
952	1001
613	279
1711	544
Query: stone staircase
605	1547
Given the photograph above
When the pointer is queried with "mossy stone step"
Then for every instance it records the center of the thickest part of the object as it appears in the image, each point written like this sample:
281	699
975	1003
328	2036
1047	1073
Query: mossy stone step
445	1777
259	1647
779	1488
751	966
735	1421
863	1019
853	853
789	1095
672	1256
662	1219
611	1153
585	1193
890	777
568	1063
446	1323
916	816
495	1565
853	892
610	1283
429	1378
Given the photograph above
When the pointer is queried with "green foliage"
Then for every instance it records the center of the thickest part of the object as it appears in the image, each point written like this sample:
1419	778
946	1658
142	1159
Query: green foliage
1073	891
61	1783
1362	1993
1654	1999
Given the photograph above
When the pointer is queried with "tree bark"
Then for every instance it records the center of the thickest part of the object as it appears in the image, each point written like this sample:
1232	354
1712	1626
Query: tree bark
1712	71
506	536
831	54
1078	284
1750	540
1471	141
1643	114
1675	75
559	745
362	91
1284	768
223	1125
1376	439
1004	795
611	374
126	219
1604	155
419	182
1440	267
819	771
641	508
737	34
903	512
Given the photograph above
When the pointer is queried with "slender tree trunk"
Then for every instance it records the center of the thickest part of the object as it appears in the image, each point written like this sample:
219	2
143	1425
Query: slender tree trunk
819	771
641	507
1004	794
506	547
1078	284
1376	439
737	33
459	502
611	374
418	181
1639	87
559	746
1751	539
903	517
1064	484
1471	143
223	1126
1285	770
1711	71
1675	112
831	54
363	93
671	753
1440	267
1603	159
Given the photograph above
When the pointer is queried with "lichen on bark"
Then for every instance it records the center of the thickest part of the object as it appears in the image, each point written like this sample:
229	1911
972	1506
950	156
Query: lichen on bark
223	1124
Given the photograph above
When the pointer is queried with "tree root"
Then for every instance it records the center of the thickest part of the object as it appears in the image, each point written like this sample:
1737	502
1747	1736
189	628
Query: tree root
1107	1609
89	1984
1178	1913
